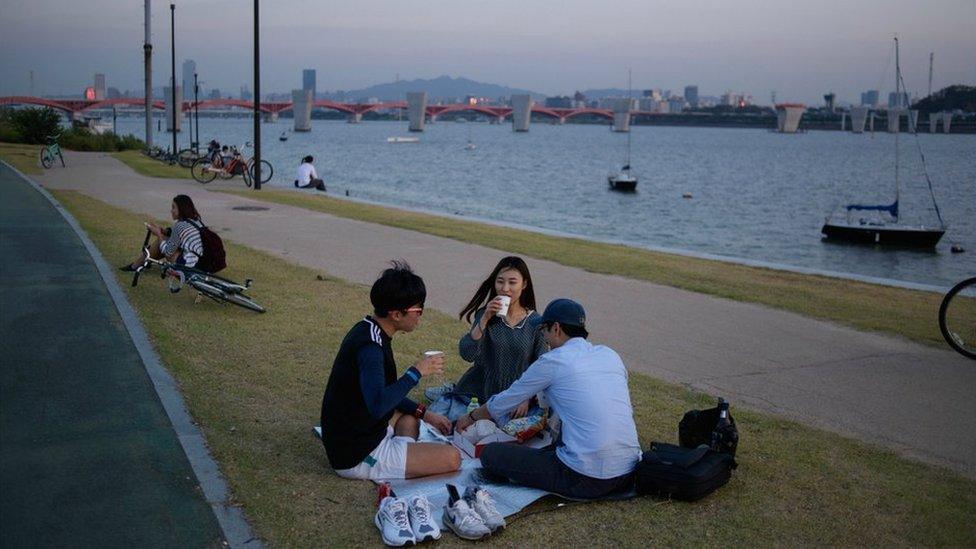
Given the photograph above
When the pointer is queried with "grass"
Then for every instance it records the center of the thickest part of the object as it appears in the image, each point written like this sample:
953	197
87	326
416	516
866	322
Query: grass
254	384
151	167
25	158
907	313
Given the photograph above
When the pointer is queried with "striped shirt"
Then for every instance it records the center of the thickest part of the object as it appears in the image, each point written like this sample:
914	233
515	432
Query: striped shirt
184	238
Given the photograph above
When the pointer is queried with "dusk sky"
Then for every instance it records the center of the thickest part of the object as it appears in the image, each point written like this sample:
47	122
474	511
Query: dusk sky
799	49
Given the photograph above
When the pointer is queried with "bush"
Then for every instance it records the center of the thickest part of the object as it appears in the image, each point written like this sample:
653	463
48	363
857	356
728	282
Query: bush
8	132
82	139
34	125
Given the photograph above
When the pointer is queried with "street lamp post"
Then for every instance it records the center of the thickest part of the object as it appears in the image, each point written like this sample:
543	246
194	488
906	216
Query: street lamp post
172	89
196	112
257	102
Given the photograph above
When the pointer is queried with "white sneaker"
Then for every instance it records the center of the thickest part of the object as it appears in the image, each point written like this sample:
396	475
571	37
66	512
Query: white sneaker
464	521
423	525
480	500
391	519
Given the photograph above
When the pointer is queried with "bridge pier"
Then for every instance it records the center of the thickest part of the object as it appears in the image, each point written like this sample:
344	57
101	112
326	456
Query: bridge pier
621	115
168	94
301	101
416	110
913	121
354	117
859	116
933	123
788	117
894	120
871	122
843	120
946	121
496	119
561	121
269	116
521	112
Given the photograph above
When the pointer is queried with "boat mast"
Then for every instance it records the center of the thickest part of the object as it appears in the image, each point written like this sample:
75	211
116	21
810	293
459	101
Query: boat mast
628	120
898	123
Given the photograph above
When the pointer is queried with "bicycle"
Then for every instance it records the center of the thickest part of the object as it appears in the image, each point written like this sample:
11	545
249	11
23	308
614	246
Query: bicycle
219	289
210	167
50	149
957	318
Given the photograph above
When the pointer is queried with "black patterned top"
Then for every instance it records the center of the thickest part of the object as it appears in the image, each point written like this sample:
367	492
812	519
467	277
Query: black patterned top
500	356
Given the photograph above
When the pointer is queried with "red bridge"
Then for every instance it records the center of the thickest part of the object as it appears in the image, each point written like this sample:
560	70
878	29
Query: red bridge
79	106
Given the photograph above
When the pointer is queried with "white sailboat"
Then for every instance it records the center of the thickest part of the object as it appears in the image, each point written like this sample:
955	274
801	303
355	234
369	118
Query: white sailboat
624	179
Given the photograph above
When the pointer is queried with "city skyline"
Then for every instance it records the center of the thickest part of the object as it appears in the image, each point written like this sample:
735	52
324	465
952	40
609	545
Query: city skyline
817	49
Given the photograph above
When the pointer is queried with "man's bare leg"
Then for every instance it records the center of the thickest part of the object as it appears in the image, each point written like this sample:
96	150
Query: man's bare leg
424	458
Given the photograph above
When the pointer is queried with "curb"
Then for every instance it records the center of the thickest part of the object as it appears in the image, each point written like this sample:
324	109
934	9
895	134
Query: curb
231	518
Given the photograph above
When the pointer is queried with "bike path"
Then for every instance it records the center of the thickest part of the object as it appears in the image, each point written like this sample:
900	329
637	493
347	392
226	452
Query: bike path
88	455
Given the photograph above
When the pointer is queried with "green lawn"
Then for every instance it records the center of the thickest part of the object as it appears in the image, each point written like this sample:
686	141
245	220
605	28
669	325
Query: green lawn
908	313
26	158
151	167
254	384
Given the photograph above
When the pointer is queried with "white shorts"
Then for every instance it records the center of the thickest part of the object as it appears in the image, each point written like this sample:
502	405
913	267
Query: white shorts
387	461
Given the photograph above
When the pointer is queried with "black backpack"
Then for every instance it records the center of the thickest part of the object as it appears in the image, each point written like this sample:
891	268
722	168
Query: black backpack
214	257
702	464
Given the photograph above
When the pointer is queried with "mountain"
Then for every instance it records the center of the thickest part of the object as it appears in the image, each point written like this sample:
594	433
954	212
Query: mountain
442	87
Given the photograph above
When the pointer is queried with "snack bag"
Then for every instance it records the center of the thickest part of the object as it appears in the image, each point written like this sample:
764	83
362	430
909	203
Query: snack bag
524	428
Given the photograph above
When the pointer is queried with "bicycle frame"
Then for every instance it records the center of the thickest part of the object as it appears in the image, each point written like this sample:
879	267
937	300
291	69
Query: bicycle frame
189	275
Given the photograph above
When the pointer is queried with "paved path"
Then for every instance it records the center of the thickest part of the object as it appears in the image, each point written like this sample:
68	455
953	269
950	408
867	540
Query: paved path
914	399
88	456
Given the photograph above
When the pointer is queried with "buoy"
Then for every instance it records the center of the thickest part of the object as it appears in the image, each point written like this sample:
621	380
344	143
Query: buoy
686	195
347	192
957	249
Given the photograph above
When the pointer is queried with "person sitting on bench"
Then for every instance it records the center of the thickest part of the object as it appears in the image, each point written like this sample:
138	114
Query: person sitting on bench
369	426
586	385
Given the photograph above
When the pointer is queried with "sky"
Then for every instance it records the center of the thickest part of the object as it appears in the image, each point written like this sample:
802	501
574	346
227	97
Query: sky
799	49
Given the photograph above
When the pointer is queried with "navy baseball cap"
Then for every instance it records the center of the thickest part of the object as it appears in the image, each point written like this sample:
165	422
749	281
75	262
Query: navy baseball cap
566	312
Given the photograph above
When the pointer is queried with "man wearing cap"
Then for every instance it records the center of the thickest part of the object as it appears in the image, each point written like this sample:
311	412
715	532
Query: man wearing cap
586	385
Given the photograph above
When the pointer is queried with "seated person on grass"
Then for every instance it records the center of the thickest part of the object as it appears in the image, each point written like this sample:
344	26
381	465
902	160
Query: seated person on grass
369	426
586	385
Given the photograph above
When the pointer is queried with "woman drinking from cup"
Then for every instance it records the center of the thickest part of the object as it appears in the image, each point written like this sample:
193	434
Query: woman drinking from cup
503	340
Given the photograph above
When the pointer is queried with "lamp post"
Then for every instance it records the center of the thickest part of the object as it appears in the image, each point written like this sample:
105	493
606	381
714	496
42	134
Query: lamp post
172	88
257	103
196	112
147	66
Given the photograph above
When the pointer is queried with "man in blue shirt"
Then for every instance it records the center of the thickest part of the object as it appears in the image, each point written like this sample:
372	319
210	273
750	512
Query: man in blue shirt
586	386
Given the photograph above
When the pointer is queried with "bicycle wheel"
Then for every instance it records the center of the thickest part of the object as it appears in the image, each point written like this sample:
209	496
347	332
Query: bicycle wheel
243	301
267	170
214	292
957	318
186	158
246	176
47	159
61	157
202	171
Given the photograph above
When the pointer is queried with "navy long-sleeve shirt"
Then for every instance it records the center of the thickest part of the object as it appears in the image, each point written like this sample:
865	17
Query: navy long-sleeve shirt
379	397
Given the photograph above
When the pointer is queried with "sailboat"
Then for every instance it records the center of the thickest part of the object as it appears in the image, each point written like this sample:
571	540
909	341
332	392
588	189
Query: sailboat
624	180
881	226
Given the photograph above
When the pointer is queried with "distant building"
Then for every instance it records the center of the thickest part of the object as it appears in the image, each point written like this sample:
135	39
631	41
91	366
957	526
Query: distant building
99	87
654	94
676	104
829	101
870	98
113	93
308	81
894	103
246	94
214	93
559	102
189	69
691	95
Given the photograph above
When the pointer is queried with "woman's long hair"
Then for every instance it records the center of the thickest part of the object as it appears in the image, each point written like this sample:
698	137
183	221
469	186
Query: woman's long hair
486	292
185	208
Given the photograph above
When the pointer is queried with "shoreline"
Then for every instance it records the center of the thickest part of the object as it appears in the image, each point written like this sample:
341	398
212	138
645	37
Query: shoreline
794	269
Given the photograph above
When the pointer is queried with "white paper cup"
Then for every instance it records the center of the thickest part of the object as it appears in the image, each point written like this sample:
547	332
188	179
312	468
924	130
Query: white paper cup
433	353
505	301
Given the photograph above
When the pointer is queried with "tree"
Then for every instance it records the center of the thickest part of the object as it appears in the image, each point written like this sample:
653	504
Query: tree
35	125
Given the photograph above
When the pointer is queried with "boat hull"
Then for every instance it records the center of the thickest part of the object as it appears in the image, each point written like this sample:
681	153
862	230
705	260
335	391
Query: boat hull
624	185
909	237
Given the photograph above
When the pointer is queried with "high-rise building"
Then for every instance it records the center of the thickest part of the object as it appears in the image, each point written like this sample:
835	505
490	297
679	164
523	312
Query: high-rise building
691	95
189	69
829	99
894	103
869	98
246	94
308	81
99	86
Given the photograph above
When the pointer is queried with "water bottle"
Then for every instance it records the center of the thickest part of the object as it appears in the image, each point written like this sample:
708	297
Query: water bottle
723	422
473	405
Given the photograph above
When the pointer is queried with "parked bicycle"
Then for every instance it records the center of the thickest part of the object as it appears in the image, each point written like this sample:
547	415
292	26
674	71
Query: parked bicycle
49	151
957	318
217	288
210	167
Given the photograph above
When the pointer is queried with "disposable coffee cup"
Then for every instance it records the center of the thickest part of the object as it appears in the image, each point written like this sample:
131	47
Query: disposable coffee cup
505	301
433	353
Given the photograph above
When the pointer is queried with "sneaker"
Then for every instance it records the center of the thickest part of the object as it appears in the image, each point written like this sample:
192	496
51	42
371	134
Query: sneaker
391	519
464	521
480	500
421	521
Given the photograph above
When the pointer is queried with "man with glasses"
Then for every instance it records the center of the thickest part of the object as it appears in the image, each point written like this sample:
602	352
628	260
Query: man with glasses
369	426
586	385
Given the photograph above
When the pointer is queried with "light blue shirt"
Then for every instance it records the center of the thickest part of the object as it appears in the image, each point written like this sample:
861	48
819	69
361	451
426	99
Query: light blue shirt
586	385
